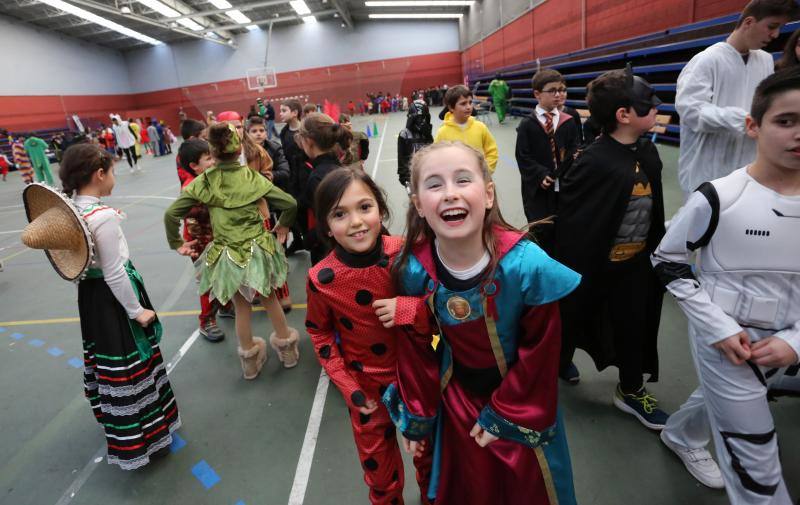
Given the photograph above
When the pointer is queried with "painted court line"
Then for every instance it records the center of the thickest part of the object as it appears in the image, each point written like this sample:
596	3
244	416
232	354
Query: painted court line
36	342
298	493
174	313
55	352
75	363
205	474
380	148
98	457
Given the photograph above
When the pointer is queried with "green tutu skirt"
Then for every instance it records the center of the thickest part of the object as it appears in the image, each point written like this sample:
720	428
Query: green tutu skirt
223	273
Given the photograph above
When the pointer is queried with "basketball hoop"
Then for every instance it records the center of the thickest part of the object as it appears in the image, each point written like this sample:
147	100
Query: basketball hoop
261	78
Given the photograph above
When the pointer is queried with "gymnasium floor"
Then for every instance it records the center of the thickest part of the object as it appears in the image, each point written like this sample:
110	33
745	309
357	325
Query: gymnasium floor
283	438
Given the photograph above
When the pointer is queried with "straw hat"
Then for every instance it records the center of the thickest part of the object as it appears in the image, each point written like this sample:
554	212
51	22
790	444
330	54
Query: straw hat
57	227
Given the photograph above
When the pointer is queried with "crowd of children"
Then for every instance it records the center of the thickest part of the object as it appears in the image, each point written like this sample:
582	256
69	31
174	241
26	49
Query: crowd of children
456	333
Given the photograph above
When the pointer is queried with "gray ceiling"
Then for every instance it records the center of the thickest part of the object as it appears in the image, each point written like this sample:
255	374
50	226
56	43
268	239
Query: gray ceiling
153	24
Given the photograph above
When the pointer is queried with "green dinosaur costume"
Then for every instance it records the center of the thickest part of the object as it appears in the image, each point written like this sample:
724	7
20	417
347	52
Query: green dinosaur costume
499	90
35	147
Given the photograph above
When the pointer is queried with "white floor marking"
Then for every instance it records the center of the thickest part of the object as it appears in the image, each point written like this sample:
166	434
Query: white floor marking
380	148
143	197
98	457
298	493
10	231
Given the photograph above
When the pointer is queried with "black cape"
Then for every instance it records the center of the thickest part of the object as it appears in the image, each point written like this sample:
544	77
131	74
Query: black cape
595	192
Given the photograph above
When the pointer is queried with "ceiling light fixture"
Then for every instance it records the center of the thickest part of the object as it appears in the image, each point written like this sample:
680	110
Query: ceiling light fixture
238	16
419	3
94	18
169	12
416	16
221	4
311	20
300	7
125	9
252	27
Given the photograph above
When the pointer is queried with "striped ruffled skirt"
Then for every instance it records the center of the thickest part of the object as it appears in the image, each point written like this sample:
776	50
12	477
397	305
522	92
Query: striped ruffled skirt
131	398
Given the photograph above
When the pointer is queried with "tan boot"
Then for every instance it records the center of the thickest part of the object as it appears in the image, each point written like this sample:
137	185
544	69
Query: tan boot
254	358
287	349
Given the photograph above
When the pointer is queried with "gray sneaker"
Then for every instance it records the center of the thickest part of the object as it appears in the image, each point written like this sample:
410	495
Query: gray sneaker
212	332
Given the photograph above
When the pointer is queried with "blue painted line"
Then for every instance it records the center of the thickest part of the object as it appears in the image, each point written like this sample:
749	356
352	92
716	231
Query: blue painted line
36	342
55	352
2	330
17	336
205	474
75	362
178	443
240	502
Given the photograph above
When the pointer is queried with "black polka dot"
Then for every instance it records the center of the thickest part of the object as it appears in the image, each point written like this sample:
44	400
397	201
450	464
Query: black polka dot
346	323
358	398
389	433
312	287
395	501
395	476
382	390
370	464
378	349
357	365
325	276
363	297
325	351
364	418
311	324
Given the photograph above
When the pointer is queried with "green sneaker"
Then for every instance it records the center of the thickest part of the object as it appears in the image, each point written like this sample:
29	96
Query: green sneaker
643	406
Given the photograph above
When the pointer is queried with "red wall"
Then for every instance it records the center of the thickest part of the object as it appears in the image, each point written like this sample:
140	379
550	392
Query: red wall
336	83
556	27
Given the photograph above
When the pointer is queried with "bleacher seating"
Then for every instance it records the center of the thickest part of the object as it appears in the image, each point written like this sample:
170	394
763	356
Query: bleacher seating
46	135
658	57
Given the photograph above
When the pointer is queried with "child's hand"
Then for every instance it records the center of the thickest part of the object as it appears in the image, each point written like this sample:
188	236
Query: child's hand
145	318
414	447
481	436
385	310
187	249
369	408
736	348
547	182
773	352
281	233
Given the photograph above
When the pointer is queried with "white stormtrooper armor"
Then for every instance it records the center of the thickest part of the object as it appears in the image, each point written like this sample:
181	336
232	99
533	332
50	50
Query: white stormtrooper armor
747	277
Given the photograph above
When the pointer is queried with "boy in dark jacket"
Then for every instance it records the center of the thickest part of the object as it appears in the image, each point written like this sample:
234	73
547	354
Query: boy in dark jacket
545	139
416	135
611	217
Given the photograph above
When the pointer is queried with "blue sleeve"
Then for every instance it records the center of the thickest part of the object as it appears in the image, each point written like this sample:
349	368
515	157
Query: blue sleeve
543	279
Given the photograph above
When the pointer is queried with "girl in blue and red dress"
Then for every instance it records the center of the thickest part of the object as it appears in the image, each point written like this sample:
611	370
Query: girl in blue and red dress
342	287
486	399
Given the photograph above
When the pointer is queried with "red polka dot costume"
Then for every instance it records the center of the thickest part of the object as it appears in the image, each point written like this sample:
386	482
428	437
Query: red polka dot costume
341	289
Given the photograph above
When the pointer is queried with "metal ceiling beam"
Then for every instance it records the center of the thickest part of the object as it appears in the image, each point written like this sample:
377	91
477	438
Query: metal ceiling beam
245	7
344	12
135	17
293	17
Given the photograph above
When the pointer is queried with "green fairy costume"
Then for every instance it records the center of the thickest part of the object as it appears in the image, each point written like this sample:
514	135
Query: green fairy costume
243	256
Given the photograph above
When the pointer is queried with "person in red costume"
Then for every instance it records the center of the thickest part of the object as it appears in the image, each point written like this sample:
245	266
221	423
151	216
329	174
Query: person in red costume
362	361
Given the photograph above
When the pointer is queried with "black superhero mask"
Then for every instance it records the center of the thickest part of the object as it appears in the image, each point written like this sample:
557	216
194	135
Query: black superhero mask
643	96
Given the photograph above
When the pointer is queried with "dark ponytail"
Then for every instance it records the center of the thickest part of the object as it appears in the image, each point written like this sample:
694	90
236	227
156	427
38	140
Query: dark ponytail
325	132
219	136
78	164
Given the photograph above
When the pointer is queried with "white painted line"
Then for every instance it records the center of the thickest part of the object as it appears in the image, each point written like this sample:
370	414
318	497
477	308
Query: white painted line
11	207
298	493
91	466
10	231
112	197
380	147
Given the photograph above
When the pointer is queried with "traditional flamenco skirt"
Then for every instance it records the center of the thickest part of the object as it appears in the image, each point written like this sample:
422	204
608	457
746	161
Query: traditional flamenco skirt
260	270
131	398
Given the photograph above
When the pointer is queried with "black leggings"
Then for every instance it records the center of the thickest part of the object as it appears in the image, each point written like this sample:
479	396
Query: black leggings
130	151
